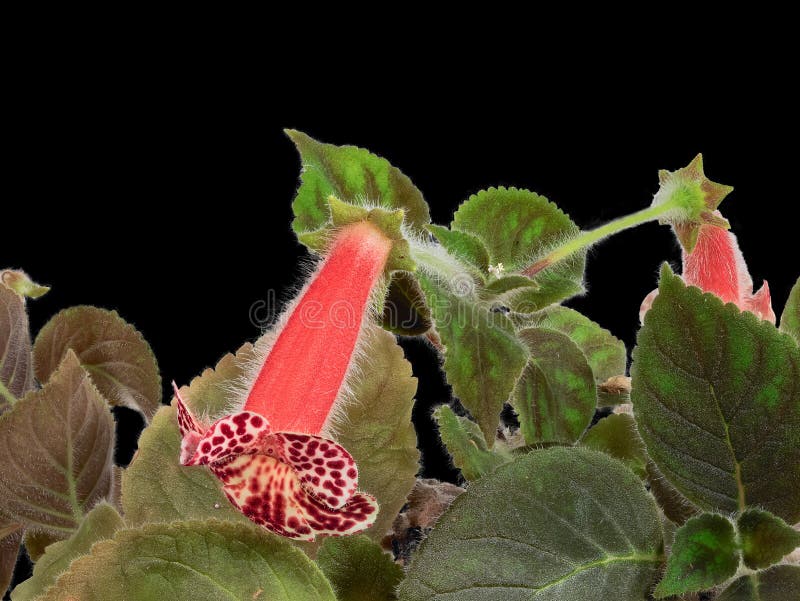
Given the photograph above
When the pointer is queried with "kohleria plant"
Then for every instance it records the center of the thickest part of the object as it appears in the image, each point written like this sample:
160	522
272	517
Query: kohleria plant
247	485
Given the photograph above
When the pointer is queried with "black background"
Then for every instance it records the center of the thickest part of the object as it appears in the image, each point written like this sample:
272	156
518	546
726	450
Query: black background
171	203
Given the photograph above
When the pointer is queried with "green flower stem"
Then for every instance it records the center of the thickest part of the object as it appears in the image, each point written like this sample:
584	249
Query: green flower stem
588	238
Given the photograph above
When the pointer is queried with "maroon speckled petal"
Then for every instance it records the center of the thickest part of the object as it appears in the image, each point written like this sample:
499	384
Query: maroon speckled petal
243	433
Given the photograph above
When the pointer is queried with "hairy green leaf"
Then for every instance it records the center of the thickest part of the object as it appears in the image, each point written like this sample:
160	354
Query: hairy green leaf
675	506
193	561
404	309
617	436
100	523
790	318
58	447
358	569
114	353
703	555
10	538
717	403
483	358
16	371
463	246
376	429
765	538
556	524
556	396
354	175
781	583
466	444
605	352
510	282
517	227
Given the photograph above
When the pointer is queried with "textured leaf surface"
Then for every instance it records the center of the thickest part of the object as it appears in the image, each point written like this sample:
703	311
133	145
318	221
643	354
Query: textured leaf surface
703	555
605	352
483	358
36	542
790	318
358	569
376	429
156	488
616	435
466	444
10	538
717	402
354	175
57	446
556	524
463	246
114	353
16	370
556	396
517	227
100	523
765	538
781	583
193	561
676	507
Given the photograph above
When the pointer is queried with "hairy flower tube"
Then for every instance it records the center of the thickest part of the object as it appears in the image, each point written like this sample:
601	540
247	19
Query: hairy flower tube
273	462
716	265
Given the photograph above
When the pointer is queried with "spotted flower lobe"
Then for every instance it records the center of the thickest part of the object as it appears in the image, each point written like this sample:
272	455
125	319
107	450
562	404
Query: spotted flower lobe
296	485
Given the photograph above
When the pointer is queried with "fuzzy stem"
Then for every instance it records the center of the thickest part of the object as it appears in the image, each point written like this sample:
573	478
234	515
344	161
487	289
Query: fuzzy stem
304	371
587	238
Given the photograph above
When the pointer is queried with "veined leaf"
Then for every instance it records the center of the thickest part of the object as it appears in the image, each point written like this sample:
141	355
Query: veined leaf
100	523
563	523
354	175
765	538
358	569
781	583
556	396
58	447
466	444
717	403
463	246
16	371
193	561
483	358
703	555
517	227
114	353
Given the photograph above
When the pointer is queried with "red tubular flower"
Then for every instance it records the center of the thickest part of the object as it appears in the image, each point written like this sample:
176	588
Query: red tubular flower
716	265
273	463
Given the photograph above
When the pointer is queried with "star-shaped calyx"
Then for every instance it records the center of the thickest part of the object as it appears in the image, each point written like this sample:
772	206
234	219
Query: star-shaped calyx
694	199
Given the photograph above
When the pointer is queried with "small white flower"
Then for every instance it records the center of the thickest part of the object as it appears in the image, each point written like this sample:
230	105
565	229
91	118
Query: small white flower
497	270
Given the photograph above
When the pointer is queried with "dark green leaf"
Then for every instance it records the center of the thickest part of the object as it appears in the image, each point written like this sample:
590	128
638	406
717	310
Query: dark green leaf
10	537
617	436
703	555
119	360
781	583
100	523
16	371
358	569
57	446
193	561
790	318
353	175
717	403
466	444
510	282
517	227
37	542
558	524
404	310
483	358
675	506
375	427
765	538
556	396
463	246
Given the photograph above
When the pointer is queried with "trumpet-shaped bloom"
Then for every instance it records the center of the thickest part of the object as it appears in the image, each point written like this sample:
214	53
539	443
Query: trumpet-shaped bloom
273	459
716	265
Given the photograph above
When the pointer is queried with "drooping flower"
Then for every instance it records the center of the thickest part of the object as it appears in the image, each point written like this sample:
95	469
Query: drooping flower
272	458
716	265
